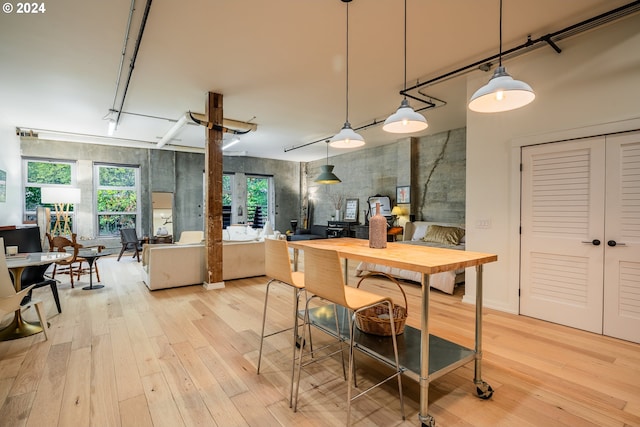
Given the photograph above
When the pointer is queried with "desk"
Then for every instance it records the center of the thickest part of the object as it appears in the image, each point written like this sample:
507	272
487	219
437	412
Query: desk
18	328
426	260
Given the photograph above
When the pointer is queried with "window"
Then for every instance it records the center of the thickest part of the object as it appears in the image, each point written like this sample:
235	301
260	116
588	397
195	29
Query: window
227	199
39	173
247	199
117	195
258	197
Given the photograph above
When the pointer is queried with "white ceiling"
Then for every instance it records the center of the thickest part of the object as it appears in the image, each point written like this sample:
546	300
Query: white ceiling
277	63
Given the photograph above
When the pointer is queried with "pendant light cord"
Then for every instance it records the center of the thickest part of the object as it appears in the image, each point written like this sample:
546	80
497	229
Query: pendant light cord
404	87
327	141
500	57
347	91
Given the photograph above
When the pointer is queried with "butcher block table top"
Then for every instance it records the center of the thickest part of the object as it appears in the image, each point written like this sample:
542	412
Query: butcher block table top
425	259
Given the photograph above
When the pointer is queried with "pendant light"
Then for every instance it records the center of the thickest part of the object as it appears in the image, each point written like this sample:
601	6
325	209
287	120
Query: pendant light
347	137
502	93
326	172
405	119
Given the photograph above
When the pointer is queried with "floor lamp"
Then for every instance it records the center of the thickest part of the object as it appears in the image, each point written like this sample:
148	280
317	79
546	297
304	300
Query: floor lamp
61	198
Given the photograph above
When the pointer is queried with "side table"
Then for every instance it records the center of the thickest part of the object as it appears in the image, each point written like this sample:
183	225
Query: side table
160	239
91	257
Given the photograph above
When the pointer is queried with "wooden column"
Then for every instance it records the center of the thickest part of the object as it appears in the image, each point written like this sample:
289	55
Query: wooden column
213	192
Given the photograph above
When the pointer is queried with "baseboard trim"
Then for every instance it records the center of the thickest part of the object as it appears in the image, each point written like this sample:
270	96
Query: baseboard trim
210	286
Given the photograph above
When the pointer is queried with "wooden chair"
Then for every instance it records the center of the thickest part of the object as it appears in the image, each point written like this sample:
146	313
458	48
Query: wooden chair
72	265
10	300
323	278
278	268
129	240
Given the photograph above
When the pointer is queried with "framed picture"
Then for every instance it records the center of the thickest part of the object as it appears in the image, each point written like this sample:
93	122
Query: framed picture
403	194
351	210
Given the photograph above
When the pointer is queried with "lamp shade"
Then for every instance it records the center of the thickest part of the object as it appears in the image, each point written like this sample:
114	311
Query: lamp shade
397	211
327	176
347	138
405	120
502	93
60	195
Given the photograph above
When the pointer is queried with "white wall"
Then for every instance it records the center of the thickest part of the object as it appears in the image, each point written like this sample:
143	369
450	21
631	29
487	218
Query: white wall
10	162
592	87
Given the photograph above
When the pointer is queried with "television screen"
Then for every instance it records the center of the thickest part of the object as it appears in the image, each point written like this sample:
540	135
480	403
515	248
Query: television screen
385	205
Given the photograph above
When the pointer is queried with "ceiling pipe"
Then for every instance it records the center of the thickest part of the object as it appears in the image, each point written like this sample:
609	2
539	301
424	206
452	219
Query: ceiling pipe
548	39
54	135
122	56
173	131
134	57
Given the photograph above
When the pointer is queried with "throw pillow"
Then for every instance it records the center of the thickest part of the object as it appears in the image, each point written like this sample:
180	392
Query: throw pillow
444	235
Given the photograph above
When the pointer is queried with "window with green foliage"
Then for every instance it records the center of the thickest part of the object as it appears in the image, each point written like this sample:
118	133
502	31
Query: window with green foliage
44	173
227	190
258	200
117	195
227	199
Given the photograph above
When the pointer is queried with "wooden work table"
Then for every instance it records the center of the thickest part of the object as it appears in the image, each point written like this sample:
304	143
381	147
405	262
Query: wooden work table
426	260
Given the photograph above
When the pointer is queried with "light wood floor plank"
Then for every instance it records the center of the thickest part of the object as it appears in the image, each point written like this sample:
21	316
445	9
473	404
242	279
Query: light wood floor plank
125	368
46	407
134	412
162	406
104	391
76	400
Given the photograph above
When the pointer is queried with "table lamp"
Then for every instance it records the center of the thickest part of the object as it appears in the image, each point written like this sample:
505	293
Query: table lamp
396	212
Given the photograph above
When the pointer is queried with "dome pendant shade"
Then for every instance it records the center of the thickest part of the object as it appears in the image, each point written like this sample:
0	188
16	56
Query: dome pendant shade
347	138
405	120
327	176
502	93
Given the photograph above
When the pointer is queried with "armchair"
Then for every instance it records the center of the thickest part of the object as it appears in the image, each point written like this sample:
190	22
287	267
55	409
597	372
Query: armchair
130	241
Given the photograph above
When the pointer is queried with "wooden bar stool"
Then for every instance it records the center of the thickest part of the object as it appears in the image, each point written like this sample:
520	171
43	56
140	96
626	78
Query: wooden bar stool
278	268
324	279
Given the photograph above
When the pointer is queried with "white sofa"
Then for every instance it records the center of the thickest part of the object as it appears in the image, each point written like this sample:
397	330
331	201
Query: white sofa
169	266
414	234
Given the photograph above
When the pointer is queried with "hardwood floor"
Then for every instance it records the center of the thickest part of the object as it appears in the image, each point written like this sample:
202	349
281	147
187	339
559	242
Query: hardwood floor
125	356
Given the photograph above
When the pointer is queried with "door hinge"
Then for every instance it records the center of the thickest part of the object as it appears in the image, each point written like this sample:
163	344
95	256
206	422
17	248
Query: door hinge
520	167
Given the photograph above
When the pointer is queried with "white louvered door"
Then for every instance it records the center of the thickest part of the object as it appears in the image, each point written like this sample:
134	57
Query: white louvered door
561	276
622	261
580	241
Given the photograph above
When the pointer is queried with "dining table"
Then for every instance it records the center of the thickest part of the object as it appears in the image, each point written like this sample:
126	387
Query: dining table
445	355
19	328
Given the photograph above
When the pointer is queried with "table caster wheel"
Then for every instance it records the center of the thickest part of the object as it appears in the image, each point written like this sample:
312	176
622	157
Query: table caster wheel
428	421
484	390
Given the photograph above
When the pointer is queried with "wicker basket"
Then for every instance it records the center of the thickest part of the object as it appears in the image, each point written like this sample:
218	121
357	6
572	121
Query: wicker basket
370	320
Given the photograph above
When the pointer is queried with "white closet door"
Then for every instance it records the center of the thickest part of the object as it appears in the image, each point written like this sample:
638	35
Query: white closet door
562	215
622	261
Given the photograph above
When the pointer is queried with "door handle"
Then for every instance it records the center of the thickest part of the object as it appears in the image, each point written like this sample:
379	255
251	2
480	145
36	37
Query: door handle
594	242
613	243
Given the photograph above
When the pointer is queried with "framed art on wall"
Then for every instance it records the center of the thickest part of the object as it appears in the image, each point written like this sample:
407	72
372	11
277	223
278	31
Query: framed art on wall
351	210
403	194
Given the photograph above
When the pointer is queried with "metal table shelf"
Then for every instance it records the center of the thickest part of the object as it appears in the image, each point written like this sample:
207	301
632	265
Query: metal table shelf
445	355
